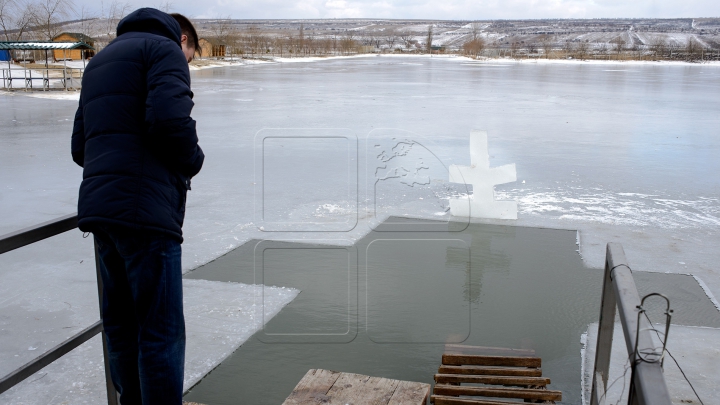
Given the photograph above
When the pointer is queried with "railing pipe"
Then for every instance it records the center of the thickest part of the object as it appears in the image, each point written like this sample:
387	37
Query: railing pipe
36	233
48	357
648	386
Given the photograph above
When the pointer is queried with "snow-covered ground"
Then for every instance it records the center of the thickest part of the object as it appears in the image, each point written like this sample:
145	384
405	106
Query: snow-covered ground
219	317
694	348
621	151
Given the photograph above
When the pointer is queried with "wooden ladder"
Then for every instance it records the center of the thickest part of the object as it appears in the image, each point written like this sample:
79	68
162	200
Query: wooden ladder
476	375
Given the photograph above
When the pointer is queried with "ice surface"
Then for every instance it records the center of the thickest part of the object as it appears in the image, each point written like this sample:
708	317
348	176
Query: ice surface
219	317
482	203
695	349
628	156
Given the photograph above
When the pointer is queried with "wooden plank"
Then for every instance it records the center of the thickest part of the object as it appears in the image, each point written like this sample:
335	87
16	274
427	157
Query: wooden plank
443	400
492	380
451	348
520	393
360	389
499	371
313	387
476	360
410	393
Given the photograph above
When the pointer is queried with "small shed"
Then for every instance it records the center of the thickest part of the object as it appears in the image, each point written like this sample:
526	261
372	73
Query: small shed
211	48
74	54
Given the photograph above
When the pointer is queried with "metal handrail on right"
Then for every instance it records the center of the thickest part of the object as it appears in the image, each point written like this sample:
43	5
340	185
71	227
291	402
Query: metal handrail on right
27	236
647	386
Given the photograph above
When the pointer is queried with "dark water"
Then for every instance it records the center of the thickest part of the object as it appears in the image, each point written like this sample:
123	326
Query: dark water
387	305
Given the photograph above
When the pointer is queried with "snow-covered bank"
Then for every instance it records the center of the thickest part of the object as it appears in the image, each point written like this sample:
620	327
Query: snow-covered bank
694	348
209	63
219	317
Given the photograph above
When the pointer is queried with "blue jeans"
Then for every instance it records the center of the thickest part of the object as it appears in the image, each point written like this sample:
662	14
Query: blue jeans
143	315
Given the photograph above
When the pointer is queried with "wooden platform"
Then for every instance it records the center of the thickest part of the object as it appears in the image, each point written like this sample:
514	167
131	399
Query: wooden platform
494	375
333	388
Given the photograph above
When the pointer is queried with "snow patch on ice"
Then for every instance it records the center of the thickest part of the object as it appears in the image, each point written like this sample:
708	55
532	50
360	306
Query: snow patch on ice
598	205
219	317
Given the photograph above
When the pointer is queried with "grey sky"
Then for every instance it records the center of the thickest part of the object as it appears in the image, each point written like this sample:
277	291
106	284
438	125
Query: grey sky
438	9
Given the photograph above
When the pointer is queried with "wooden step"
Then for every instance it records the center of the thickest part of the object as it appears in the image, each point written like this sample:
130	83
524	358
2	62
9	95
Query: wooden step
444	400
451	348
492	380
521	393
478	360
499	371
325	386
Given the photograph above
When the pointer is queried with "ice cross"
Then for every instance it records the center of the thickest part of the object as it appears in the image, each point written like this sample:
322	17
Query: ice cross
482	204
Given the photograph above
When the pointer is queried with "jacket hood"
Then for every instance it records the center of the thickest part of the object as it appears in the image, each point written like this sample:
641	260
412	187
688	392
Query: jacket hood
151	21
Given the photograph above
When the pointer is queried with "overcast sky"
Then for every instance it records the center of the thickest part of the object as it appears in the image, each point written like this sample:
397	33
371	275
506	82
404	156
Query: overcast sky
434	9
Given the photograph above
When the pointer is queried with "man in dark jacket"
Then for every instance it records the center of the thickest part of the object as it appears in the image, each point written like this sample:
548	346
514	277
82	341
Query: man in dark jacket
137	143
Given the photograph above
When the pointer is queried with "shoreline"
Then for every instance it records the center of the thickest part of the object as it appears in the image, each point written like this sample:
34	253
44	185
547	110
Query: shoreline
204	64
507	60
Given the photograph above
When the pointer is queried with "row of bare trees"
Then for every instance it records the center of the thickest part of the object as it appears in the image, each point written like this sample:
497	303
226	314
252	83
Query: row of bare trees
253	41
545	46
45	19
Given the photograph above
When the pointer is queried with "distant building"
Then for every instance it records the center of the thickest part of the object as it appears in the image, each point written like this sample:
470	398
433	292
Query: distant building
211	48
73	54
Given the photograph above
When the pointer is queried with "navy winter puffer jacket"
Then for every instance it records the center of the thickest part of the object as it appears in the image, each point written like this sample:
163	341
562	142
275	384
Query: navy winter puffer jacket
133	134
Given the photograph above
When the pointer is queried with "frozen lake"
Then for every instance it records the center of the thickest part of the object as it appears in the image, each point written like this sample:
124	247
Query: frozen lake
622	152
594	144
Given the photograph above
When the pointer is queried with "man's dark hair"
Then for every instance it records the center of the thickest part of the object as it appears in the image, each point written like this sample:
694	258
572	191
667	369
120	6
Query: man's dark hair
187	29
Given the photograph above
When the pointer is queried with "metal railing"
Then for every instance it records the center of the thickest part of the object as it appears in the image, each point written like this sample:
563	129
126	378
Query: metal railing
29	236
71	78
647	385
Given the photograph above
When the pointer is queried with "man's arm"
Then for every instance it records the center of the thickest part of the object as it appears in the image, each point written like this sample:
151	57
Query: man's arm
77	144
167	110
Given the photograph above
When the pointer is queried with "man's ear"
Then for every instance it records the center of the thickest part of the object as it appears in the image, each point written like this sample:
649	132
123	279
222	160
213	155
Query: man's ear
183	38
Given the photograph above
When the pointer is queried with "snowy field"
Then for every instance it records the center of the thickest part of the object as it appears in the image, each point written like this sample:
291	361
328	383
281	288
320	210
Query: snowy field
623	152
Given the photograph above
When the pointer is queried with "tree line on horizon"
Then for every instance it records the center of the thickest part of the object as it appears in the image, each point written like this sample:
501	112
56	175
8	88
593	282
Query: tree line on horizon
45	19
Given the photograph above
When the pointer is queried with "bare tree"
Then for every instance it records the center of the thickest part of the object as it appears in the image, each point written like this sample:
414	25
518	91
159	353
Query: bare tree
658	45
602	49
618	45
111	14
514	48
301	37
278	45
376	39
429	39
546	41
165	6
582	50
347	42
532	47
48	14
694	50
391	37
88	20
407	39
474	47
475	29
15	18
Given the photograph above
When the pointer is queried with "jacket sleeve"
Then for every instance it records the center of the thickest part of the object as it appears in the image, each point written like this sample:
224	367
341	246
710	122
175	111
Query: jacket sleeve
167	110
77	144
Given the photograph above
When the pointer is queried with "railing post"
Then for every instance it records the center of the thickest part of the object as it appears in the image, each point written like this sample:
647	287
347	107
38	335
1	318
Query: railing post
648	386
112	396
605	333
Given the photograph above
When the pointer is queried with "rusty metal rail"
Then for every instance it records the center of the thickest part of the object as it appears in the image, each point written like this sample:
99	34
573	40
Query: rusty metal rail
27	236
648	386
